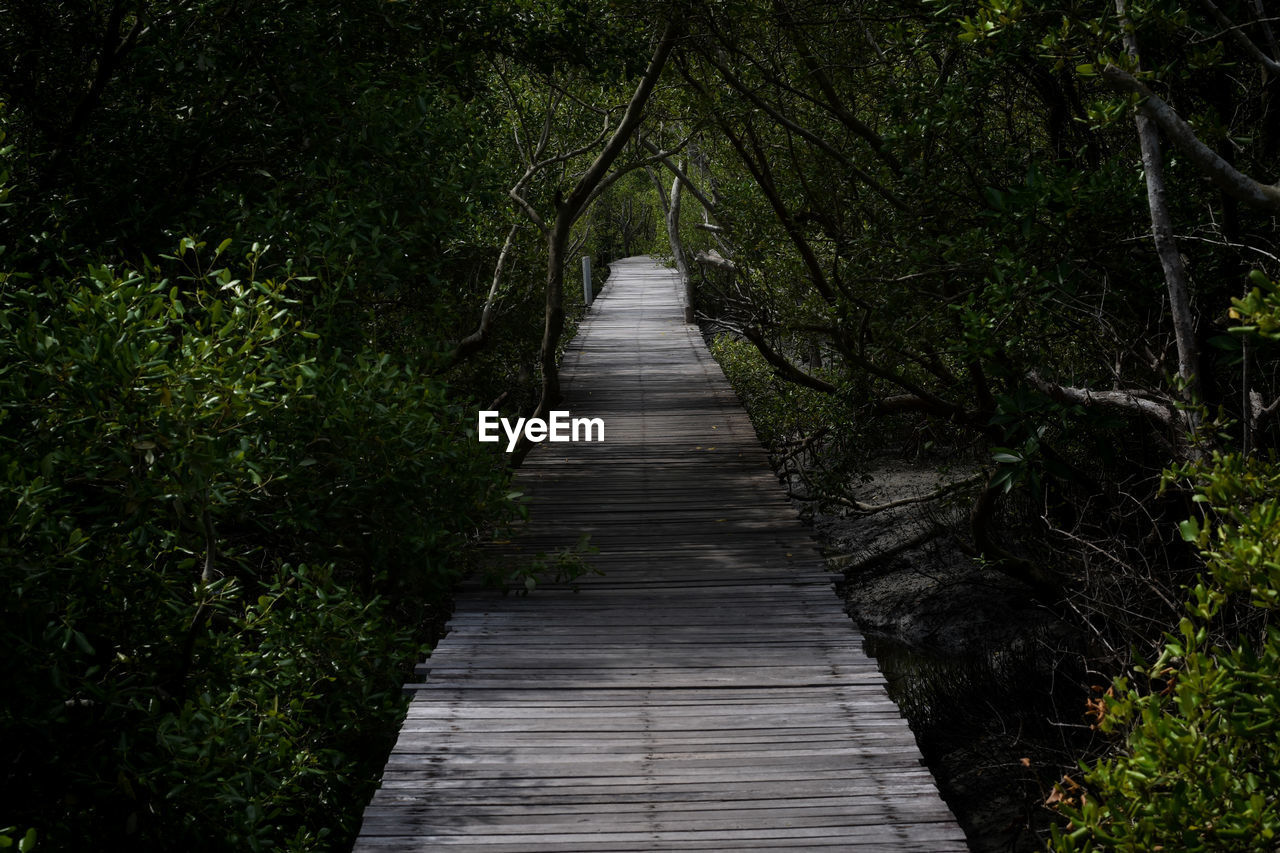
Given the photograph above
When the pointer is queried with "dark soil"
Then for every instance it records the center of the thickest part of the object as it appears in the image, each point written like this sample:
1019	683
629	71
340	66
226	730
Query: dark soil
989	680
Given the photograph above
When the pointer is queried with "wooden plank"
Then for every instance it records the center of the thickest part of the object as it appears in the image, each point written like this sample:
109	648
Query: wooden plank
883	833
894	783
638	741
708	692
695	802
604	798
671	725
706	821
868	700
657	846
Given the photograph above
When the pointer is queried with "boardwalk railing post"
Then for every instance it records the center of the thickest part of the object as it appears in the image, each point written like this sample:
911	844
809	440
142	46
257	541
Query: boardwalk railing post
586	280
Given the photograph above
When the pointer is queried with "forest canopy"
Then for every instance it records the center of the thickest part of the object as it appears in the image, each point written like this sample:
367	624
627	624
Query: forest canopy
260	263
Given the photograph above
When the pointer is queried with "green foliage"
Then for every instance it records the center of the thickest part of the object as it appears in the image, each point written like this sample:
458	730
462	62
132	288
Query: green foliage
1201	759
258	754
1259	309
204	506
25	842
781	411
1201	725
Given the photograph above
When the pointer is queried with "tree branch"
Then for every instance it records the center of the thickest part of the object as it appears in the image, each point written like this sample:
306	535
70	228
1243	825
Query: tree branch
1265	23
476	339
785	368
665	160
926	404
1130	402
622	171
1227	178
715	259
758	166
1241	38
630	120
835	103
529	210
1260	413
1177	283
807	135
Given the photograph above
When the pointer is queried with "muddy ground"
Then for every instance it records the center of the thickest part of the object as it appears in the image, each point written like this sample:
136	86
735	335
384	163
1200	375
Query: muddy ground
988	678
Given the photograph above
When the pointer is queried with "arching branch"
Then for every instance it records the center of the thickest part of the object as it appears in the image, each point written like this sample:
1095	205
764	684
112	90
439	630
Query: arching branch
665	159
1241	38
477	339
804	133
785	368
1227	178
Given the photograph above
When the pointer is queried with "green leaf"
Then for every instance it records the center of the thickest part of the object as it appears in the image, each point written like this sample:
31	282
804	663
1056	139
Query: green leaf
82	642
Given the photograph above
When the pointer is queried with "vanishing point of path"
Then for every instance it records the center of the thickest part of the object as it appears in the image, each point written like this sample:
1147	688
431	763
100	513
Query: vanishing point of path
707	693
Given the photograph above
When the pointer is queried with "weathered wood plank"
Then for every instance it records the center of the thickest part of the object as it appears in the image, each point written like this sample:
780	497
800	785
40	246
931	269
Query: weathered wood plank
706	693
884	835
604	798
894	783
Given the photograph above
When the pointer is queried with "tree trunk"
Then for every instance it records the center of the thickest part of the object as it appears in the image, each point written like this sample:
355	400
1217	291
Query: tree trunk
671	216
1175	273
677	246
553	322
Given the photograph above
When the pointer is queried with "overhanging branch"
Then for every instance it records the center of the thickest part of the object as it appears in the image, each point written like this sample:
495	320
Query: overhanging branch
1227	178
785	368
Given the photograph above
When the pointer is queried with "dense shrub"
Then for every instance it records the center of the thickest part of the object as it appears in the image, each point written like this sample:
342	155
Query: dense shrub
1201	760
206	512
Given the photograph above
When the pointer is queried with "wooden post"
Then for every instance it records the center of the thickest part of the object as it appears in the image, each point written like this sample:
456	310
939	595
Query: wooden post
586	280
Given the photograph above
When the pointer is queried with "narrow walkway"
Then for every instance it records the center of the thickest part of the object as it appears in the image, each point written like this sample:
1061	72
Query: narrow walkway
707	693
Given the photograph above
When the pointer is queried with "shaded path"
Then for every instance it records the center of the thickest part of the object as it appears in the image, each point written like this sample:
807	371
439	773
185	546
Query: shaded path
707	693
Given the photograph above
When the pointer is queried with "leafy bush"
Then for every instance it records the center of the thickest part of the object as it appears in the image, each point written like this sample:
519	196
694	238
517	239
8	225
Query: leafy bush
206	512
1201	761
284	695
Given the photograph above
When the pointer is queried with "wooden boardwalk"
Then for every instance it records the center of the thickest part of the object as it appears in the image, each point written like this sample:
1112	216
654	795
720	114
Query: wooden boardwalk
707	693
